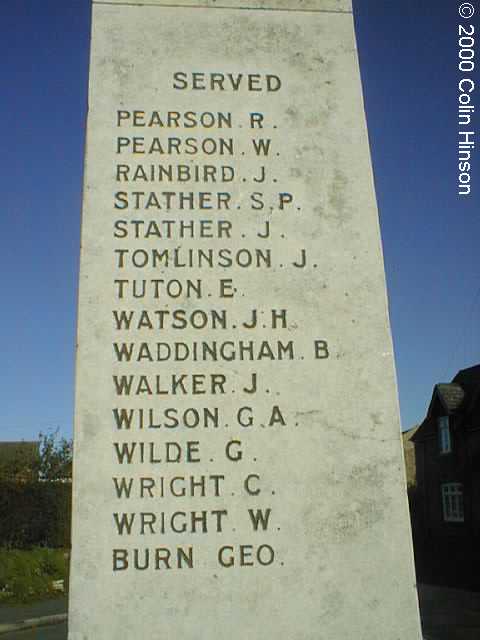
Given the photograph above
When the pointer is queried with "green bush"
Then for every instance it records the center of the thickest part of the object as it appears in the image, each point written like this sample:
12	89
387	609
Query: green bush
52	562
28	575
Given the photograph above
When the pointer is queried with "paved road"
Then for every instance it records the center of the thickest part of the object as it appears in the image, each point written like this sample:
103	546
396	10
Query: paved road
447	614
56	632
18	612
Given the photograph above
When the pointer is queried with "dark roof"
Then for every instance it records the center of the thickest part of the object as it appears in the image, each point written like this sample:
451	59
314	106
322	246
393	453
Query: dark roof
452	395
469	380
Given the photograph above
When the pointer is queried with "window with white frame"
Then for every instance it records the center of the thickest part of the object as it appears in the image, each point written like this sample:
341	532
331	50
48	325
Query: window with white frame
444	438
452	502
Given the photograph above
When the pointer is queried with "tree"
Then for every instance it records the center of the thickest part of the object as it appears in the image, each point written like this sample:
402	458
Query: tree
49	458
55	459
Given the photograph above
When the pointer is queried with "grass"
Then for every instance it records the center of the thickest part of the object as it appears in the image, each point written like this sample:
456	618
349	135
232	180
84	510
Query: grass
26	576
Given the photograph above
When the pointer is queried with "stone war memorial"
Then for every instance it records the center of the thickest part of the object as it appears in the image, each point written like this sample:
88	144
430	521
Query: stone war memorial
238	469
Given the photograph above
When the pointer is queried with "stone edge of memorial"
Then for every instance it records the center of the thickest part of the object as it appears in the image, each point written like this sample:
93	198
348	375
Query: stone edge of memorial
340	6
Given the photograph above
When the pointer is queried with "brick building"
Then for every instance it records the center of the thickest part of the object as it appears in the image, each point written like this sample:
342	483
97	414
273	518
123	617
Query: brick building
446	500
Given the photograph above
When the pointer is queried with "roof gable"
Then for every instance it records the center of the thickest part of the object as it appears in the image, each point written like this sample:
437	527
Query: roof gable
457	397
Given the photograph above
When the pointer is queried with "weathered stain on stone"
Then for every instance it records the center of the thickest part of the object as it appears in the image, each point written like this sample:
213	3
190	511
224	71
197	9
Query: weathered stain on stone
306	414
292	113
355	433
339	208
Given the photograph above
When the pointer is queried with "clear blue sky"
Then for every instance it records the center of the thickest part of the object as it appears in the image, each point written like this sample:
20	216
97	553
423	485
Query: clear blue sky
408	53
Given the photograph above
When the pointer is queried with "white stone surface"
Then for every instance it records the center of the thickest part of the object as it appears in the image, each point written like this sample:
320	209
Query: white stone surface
332	475
288	5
